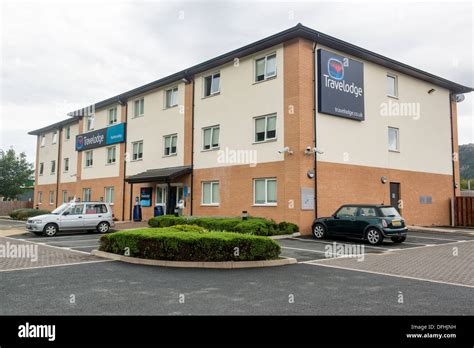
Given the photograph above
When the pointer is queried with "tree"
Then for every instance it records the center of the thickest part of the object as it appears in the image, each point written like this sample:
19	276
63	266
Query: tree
15	173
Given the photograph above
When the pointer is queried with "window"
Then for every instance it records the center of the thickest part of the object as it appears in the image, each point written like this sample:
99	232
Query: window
393	144
40	197
89	159
109	195
90	122
347	211
211	138
53	167
43	140
113	115
392	88
67	133
265	191
66	164
96	208
171	97
41	168
55	137
265	67
265	128
210	193
160	195
170	144
111	155
86	195
76	209
64	196
137	150
139	107
51	197
212	84
367	211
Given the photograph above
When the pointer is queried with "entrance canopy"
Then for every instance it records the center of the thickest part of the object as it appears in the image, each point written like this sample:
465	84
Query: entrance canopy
159	175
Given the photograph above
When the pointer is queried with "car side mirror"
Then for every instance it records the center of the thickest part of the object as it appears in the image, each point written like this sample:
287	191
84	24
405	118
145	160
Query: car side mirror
335	216
65	213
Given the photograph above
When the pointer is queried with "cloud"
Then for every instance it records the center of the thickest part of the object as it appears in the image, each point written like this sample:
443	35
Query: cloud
83	52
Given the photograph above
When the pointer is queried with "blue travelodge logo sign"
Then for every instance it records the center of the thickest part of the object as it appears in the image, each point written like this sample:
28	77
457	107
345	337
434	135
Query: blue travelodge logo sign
101	137
340	86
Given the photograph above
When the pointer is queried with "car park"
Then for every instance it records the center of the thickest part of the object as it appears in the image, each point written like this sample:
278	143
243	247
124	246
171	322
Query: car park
90	216
367	222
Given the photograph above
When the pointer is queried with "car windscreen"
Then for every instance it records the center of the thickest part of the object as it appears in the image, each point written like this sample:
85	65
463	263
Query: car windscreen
60	209
389	212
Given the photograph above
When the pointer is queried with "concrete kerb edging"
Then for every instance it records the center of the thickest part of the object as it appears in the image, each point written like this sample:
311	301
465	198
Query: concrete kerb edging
195	264
284	236
438	231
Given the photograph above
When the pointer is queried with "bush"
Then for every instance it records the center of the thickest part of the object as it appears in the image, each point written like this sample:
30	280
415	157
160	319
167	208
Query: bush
25	213
189	228
254	225
166	221
175	245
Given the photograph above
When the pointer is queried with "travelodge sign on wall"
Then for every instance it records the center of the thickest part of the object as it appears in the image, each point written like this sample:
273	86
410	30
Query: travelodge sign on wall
101	137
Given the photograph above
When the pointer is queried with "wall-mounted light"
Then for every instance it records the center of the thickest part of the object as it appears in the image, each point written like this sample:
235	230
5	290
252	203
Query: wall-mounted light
310	174
383	179
431	91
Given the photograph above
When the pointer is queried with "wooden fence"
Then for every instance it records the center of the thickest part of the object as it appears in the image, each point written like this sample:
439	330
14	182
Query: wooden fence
464	211
6	207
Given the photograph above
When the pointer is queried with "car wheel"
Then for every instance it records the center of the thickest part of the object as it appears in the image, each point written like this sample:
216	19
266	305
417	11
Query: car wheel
103	227
319	231
50	230
398	239
374	236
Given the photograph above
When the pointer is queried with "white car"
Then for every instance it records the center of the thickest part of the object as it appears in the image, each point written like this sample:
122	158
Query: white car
73	216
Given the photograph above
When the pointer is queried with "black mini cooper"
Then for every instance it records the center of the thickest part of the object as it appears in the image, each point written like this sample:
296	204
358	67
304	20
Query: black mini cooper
363	221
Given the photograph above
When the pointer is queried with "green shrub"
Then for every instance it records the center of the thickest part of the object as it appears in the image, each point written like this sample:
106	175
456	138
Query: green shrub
26	213
189	228
254	225
170	244
166	221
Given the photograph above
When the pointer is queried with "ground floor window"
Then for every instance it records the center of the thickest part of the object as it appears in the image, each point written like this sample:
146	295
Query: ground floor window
210	193
51	197
109	194
86	194
40	197
64	196
265	191
160	195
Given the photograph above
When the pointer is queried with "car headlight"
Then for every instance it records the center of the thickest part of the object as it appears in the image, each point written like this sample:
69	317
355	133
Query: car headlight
37	221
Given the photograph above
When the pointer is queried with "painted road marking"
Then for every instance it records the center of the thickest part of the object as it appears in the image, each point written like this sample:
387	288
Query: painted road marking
344	243
60	265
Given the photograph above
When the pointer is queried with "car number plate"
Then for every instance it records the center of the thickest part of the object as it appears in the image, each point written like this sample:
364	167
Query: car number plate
396	223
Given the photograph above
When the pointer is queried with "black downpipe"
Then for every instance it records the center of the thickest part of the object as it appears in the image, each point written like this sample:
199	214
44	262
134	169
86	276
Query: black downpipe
131	201
192	154
58	165
124	161
315	140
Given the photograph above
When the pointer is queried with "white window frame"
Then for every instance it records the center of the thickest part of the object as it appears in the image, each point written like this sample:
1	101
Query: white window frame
40	197
66	167
397	132
53	166
172	90
109	189
141	107
109	148
41	168
43	140
67	133
395	88
163	194
211	185
86	160
266	117
112	116
137	144
265	76
212	76
54	138
64	196
212	128
171	136
266	204
84	190
90	122
51	197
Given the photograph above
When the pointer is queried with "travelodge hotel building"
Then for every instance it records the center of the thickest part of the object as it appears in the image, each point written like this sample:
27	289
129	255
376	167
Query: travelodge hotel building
289	127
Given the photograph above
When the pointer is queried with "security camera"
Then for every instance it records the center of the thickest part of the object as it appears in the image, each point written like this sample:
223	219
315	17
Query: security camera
308	150
459	98
285	149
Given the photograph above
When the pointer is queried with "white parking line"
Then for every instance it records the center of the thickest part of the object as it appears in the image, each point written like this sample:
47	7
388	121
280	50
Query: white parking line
331	242
388	274
71	237
47	245
411	243
319	252
72	241
83	247
51	266
433	238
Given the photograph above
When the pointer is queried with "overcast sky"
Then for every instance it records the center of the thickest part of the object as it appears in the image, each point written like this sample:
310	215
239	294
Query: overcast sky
57	56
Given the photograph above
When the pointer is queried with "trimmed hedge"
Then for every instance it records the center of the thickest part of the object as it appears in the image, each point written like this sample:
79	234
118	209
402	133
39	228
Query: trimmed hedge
25	213
254	225
177	245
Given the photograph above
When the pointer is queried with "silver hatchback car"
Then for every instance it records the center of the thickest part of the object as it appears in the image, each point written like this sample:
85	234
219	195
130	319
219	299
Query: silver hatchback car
73	216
